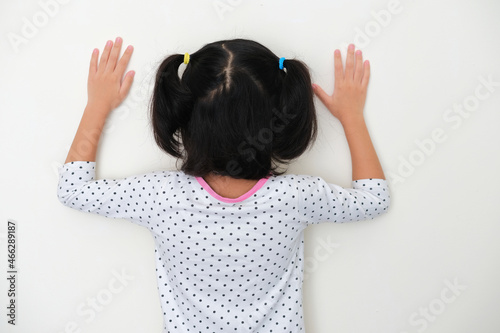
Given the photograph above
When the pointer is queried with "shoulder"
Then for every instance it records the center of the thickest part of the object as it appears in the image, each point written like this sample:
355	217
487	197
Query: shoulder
176	178
169	177
297	181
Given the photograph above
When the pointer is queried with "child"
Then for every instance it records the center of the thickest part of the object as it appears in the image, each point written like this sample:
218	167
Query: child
228	226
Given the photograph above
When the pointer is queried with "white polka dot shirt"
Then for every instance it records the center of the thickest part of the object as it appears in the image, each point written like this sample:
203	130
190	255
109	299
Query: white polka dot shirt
224	265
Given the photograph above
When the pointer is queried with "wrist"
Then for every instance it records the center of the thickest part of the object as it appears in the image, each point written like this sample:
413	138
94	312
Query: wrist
352	120
97	111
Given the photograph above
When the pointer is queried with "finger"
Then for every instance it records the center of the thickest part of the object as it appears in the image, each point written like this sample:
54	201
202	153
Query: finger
366	74
123	63
339	69
322	95
358	72
126	84
105	56
115	53
349	63
93	62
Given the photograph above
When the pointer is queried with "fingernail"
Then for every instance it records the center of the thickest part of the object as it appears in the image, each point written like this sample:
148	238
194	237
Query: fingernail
337	52
109	43
358	52
351	46
118	39
314	86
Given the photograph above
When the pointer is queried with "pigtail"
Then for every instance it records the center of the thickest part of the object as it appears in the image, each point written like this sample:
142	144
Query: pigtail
171	106
295	116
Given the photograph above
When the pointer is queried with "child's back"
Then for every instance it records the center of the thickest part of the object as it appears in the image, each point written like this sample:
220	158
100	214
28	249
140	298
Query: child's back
225	265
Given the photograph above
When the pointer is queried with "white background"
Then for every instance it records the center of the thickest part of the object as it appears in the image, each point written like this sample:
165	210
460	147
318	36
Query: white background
390	275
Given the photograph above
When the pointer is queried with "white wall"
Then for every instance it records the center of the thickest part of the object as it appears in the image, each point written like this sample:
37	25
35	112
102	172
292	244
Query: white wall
389	275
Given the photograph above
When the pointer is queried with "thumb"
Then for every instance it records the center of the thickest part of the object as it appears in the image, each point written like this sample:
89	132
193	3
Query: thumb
322	95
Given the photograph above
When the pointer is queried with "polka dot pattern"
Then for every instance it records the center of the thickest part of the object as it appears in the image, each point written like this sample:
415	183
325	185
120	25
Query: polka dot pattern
224	267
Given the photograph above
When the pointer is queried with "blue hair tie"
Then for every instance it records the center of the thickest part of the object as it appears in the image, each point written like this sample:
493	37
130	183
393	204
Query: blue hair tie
281	62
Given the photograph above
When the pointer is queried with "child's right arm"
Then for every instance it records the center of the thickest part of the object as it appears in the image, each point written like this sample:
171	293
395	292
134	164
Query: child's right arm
347	104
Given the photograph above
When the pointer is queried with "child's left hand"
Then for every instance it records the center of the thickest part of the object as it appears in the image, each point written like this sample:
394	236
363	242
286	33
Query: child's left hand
105	87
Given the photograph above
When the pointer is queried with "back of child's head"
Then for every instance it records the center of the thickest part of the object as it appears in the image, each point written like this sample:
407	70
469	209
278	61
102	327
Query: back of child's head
234	111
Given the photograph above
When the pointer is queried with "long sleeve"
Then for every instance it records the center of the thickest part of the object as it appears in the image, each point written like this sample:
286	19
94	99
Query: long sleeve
133	198
320	201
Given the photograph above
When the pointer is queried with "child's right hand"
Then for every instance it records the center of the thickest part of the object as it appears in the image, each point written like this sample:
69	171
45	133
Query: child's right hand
349	93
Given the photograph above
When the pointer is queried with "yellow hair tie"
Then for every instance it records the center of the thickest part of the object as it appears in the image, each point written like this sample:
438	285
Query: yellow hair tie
186	58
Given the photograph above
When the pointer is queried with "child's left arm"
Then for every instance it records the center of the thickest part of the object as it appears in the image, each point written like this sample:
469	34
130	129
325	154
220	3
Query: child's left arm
106	91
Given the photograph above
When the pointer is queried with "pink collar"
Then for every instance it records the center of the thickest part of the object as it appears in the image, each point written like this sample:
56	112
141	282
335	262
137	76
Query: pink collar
248	194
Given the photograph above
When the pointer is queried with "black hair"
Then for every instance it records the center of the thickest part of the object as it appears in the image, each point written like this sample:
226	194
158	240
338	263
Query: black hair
233	111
